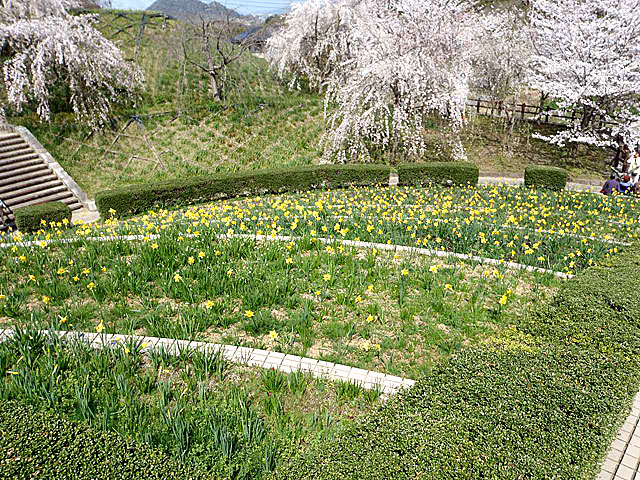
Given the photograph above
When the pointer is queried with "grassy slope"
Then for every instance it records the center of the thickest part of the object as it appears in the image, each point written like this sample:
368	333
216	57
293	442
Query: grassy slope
261	124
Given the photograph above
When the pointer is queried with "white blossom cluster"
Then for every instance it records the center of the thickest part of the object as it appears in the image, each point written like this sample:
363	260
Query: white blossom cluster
387	65
312	44
587	57
503	58
47	48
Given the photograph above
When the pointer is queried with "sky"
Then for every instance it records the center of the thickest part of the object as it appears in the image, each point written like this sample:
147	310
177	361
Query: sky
241	6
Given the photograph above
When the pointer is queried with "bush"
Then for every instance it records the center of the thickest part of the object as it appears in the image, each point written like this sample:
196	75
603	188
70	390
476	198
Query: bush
29	219
139	198
37	444
459	173
538	176
545	405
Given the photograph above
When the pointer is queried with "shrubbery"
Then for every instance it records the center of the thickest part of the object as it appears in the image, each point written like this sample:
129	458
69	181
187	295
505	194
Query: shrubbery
37	444
29	219
139	198
546	404
459	173
539	176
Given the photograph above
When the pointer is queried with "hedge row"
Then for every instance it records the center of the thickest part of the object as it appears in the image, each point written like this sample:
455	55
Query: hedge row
140	198
459	173
546	404
37	444
539	176
28	219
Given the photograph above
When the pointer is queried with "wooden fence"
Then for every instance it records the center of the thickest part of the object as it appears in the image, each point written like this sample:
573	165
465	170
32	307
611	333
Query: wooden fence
527	112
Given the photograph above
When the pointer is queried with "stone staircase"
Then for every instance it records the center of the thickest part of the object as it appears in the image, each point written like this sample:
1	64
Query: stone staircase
29	175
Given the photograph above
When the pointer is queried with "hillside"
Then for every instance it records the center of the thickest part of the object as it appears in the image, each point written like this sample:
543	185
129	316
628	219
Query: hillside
188	8
181	131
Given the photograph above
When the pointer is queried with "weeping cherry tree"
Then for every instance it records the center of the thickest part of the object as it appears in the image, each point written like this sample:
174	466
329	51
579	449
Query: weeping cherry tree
587	56
45	49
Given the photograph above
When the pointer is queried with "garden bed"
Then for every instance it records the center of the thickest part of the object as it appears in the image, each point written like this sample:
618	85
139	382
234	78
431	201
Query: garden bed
207	415
496	357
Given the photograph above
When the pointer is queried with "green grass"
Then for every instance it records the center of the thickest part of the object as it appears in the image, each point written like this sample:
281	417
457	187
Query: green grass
547	409
208	416
399	312
499	354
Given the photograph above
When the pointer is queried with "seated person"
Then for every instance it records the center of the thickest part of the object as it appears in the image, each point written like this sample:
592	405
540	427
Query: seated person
636	188
610	185
626	185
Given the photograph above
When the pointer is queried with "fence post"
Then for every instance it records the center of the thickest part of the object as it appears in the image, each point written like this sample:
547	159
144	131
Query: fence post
522	110
478	109
546	117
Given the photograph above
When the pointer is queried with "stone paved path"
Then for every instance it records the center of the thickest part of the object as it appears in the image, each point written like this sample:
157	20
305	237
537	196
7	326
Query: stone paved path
388	384
623	459
579	186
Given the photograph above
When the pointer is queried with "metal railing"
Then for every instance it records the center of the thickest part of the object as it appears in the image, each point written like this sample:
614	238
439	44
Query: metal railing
5	221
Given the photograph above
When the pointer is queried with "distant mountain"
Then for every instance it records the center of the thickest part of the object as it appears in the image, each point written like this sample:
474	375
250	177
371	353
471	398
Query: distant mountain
189	8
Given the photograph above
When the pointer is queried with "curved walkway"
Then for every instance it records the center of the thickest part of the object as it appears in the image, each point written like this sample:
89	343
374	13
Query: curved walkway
368	379
623	460
580	185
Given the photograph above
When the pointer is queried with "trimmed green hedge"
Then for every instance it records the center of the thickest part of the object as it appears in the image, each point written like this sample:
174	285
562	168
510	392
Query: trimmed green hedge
37	444
546	403
28	219
140	198
539	176
459	173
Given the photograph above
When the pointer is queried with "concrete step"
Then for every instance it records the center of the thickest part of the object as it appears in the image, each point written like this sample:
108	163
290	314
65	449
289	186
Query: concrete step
56	195
7	137
11	141
33	189
26	155
28	182
8	178
22	151
22	164
26	178
12	148
70	201
28	197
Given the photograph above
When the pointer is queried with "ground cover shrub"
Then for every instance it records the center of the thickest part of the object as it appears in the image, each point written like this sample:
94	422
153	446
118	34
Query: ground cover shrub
127	410
31	218
43	444
457	173
139	198
538	176
545	404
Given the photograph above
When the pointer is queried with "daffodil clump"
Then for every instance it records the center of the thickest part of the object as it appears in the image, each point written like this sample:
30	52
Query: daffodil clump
212	416
396	313
185	274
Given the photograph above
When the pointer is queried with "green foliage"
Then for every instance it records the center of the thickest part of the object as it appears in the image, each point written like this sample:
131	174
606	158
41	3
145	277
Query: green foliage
44	445
459	173
510	412
139	198
29	219
538	176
